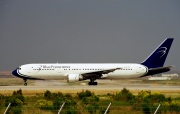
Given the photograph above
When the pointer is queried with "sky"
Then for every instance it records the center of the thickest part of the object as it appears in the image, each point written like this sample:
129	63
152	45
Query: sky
86	31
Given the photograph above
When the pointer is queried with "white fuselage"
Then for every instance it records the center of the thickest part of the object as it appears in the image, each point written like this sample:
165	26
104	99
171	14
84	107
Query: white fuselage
61	71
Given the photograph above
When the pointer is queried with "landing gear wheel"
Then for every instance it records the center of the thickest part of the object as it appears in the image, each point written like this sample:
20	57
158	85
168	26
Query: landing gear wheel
95	83
25	83
92	83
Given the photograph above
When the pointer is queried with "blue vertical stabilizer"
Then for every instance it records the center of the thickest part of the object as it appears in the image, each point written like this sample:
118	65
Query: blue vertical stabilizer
158	56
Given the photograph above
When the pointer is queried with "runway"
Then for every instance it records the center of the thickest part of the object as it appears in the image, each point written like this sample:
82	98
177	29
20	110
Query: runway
103	85
99	87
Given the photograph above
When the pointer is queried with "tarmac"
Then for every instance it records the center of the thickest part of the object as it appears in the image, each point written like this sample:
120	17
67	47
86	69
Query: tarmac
103	85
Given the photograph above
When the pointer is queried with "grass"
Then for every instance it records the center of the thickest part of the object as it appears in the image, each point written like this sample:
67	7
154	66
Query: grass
117	107
13	81
172	93
29	107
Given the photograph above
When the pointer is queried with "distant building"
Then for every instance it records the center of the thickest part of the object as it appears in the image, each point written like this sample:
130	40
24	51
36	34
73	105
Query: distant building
169	75
159	78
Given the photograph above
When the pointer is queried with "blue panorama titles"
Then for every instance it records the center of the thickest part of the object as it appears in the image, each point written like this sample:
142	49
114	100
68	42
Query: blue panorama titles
52	66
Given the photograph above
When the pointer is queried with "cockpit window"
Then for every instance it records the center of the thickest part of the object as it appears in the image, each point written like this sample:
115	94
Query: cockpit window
19	68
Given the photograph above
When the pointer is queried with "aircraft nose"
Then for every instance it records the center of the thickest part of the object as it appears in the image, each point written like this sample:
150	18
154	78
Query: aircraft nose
15	73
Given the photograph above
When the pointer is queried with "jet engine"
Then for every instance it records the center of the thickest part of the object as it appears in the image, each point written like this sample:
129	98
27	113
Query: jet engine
74	77
104	76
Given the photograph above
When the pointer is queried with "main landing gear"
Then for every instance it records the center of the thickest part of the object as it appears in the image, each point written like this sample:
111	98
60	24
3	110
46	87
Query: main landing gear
25	83
92	82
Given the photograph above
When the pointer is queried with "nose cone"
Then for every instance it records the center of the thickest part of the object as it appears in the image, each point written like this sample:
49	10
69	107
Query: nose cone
15	73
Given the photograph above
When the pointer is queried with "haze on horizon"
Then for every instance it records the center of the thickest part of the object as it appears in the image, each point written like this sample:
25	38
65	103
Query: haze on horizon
86	31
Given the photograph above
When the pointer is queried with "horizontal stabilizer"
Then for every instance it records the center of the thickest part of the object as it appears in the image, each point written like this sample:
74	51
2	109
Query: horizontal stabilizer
160	68
153	71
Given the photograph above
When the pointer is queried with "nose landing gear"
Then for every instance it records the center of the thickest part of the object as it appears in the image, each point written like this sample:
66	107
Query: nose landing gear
25	83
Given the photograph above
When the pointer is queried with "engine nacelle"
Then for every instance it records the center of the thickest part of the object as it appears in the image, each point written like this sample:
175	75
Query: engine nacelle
104	76
74	77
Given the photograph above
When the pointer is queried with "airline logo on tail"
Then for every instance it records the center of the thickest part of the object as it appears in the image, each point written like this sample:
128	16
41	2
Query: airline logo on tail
162	51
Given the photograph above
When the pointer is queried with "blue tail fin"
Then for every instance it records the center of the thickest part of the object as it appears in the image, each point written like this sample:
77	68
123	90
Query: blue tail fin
158	56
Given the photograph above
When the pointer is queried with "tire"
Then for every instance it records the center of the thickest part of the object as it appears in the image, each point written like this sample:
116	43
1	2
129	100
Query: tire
95	83
25	84
92	83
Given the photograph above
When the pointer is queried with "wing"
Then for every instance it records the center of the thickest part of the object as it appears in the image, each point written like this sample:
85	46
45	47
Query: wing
98	74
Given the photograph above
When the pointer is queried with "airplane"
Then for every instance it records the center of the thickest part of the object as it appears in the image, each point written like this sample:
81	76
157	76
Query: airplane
73	72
